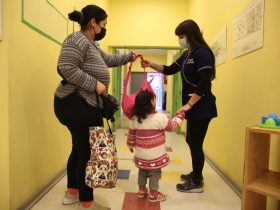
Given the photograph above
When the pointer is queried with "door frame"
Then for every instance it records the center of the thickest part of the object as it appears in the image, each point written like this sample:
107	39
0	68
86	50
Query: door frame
177	90
116	91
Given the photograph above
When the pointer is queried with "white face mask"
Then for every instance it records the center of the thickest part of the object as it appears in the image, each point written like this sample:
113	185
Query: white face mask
184	43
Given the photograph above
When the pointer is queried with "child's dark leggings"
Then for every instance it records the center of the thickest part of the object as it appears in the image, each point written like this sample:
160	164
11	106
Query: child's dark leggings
196	131
75	113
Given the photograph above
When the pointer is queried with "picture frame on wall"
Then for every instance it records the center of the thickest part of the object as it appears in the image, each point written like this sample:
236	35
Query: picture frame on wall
248	29
1	20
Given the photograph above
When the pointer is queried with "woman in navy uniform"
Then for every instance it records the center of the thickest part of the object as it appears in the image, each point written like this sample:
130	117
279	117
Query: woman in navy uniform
197	68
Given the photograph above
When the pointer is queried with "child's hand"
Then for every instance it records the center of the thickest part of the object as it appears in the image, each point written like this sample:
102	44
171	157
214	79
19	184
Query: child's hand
131	150
180	115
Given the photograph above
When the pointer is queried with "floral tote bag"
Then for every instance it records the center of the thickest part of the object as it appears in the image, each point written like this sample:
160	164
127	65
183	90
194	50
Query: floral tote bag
102	168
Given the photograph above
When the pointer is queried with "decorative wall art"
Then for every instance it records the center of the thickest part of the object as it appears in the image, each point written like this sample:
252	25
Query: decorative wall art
219	46
248	29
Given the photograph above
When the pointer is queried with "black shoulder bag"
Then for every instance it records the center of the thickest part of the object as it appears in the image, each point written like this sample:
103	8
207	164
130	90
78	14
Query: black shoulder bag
110	106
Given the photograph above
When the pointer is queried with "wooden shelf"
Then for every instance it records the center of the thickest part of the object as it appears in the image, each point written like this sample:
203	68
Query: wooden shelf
267	184
259	182
257	129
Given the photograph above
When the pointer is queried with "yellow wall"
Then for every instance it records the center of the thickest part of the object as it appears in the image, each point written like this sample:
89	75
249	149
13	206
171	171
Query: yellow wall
144	23
38	144
4	113
246	87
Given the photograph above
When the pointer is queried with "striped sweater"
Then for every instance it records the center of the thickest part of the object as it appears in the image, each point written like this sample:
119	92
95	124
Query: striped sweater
148	139
81	63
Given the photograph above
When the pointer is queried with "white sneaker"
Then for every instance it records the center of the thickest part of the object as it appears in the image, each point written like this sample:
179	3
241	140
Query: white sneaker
94	206
70	199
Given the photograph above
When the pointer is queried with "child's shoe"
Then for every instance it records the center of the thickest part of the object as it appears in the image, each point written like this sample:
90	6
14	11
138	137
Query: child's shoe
142	193
156	197
70	199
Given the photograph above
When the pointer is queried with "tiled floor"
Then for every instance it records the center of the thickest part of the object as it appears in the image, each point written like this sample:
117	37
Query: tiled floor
217	194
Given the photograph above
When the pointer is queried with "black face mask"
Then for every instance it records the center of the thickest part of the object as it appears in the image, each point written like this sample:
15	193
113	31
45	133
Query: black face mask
101	35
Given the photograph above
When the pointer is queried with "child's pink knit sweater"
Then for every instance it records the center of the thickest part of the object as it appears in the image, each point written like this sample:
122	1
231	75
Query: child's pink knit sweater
148	139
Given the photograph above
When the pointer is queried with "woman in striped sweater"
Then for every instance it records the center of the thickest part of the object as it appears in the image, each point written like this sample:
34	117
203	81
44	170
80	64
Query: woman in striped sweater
84	69
146	135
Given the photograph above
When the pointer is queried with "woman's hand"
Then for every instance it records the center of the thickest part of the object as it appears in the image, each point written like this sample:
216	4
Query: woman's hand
100	88
134	56
157	67
145	63
131	150
184	108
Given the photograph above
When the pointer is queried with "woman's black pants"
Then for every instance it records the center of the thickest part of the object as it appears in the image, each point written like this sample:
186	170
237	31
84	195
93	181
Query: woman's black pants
196	131
75	113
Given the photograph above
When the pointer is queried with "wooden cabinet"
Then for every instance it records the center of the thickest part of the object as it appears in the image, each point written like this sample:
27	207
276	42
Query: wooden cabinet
259	182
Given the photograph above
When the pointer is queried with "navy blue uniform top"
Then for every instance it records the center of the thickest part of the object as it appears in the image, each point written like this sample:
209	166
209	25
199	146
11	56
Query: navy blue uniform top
196	71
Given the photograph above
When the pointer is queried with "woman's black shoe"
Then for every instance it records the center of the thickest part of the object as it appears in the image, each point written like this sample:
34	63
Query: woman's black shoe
190	187
188	177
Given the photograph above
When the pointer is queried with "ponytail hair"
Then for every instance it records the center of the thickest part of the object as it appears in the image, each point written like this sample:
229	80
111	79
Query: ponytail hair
76	16
87	13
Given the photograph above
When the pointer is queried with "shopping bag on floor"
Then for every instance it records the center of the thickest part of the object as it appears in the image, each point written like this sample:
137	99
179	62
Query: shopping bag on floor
128	101
102	168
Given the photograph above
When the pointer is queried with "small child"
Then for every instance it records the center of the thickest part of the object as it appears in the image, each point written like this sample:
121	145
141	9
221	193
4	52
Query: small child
146	135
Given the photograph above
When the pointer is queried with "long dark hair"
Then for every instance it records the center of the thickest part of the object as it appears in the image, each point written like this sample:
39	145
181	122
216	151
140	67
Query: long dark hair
194	37
143	105
87	13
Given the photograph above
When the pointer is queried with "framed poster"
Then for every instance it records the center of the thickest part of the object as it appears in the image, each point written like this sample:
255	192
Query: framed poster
248	29
1	20
219	46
